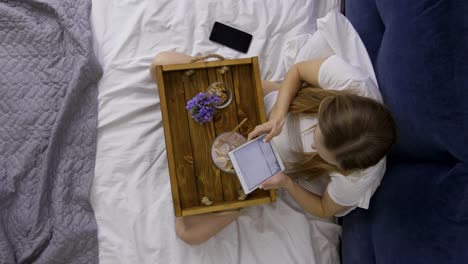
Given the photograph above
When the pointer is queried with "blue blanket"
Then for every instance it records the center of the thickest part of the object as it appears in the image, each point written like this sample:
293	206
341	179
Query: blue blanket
48	118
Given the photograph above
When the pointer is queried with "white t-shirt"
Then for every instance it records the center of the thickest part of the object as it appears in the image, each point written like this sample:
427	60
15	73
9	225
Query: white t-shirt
357	188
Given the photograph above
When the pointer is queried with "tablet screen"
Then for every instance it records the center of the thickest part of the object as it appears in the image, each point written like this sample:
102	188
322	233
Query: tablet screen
256	161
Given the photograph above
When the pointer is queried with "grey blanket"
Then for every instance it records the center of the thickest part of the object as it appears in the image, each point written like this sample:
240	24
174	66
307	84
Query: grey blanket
48	119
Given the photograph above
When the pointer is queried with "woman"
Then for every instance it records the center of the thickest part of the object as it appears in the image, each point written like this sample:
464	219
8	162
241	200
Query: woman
327	127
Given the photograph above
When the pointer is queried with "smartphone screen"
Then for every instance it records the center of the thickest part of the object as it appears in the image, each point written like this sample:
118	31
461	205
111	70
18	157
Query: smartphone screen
230	37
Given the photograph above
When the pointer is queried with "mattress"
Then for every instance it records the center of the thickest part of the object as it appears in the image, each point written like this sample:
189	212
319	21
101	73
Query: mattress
131	193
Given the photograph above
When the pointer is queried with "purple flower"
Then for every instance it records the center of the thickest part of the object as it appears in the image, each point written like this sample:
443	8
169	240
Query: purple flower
202	107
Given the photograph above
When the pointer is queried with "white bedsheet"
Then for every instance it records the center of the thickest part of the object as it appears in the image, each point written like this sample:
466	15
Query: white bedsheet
131	191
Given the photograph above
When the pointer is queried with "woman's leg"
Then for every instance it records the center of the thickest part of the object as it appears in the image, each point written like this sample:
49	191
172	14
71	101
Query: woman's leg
168	57
197	229
171	57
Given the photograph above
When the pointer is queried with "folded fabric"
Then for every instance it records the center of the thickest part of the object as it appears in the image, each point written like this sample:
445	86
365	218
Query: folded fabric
334	35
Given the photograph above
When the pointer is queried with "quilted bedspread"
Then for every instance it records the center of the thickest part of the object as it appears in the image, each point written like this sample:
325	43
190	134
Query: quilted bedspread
48	118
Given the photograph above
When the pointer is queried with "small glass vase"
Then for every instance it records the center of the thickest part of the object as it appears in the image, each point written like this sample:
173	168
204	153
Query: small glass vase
224	92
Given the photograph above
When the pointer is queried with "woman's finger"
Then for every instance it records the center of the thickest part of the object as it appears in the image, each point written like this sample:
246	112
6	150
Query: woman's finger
268	184
269	136
258	130
272	133
251	135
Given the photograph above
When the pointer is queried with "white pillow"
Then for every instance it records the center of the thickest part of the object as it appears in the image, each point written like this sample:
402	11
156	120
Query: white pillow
334	35
306	47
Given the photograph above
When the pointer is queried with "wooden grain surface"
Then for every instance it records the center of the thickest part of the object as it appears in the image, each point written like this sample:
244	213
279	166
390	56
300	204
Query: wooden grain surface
205	64
246	99
202	136
157	74
180	140
225	120
192	171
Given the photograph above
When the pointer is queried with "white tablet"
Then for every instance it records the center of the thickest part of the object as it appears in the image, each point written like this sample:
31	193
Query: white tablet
255	162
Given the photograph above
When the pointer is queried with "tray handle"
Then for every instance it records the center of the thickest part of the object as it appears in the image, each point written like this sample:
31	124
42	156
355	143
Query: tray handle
212	56
221	70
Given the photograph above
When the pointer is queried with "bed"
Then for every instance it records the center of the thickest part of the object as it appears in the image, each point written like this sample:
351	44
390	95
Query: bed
130	192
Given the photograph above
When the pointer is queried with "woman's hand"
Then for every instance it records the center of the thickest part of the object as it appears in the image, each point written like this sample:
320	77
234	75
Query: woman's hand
280	180
272	128
321	206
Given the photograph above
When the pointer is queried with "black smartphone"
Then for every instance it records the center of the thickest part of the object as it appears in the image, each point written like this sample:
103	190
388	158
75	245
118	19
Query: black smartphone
230	37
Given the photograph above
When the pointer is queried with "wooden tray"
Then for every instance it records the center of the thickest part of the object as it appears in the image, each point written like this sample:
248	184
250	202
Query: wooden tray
192	172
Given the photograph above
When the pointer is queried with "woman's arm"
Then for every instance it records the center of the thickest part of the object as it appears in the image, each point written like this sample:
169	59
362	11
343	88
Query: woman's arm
306	71
321	206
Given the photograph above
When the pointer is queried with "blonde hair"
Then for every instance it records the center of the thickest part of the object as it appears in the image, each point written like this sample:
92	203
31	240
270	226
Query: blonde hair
358	130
